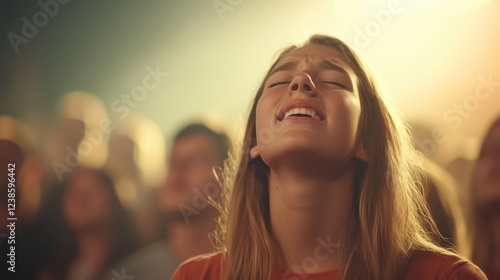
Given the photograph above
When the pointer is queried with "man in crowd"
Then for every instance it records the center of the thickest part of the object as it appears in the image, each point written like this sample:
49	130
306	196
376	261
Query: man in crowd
184	200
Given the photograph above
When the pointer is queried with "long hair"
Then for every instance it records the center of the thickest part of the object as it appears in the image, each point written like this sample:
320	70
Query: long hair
482	237
390	220
124	239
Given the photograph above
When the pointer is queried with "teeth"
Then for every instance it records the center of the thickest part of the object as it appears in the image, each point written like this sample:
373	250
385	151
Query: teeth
302	111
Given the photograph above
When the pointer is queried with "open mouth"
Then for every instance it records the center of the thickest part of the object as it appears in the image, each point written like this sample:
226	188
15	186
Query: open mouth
301	113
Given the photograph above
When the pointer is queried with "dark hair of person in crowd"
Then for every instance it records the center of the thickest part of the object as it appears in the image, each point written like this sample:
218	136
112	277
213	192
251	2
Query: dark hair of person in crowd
221	140
485	204
115	226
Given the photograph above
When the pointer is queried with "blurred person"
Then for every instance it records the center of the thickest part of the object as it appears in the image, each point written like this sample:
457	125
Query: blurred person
461	169
443	195
485	190
328	185
136	159
20	191
40	235
60	150
122	167
149	218
92	230
78	137
184	196
27	185
447	208
121	156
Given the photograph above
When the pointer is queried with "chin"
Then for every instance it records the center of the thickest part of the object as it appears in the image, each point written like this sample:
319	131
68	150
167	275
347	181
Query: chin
294	150
299	142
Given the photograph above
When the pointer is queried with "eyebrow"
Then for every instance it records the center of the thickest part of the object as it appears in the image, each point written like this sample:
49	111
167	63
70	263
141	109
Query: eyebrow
334	66
284	67
325	64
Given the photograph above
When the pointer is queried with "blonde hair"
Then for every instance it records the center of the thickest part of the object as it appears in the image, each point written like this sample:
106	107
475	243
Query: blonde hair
390	220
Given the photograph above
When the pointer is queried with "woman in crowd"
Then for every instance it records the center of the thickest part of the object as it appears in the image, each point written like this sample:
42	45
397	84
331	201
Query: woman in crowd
328	185
94	230
486	204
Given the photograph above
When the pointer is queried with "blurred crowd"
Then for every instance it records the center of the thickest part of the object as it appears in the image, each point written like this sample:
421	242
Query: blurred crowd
101	199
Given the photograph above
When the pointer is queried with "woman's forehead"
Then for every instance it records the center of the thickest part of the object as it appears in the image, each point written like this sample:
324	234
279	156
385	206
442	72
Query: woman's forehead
315	51
317	54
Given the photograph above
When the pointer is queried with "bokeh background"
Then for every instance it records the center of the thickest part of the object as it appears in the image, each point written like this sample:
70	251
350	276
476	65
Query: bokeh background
83	59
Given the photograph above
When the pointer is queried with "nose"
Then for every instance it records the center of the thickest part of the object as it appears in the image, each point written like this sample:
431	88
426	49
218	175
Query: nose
302	83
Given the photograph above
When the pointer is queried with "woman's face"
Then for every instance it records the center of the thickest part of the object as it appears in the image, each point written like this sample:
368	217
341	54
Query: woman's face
309	107
486	184
86	203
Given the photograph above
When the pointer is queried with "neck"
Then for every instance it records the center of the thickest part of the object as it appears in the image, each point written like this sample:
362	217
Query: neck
188	240
307	217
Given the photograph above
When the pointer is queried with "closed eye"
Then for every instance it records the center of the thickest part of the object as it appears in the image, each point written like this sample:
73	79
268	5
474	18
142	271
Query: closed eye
279	83
336	83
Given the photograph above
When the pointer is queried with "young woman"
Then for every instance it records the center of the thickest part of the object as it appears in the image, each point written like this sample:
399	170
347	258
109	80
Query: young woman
327	186
93	230
486	204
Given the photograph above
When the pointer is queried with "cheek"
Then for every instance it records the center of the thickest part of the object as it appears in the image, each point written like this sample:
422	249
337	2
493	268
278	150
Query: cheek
346	112
198	176
265	113
72	210
260	111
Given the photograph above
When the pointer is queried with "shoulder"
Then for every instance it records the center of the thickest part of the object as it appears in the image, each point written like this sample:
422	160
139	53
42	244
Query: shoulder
443	267
203	267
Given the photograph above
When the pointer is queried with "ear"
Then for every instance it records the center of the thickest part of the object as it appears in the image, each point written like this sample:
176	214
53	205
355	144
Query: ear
361	153
254	152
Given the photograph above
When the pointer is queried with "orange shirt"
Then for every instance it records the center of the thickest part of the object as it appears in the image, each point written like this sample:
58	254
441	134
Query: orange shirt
425	266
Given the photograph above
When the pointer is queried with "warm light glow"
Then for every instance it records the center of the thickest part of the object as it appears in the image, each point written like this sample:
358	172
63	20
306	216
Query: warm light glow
149	153
89	109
